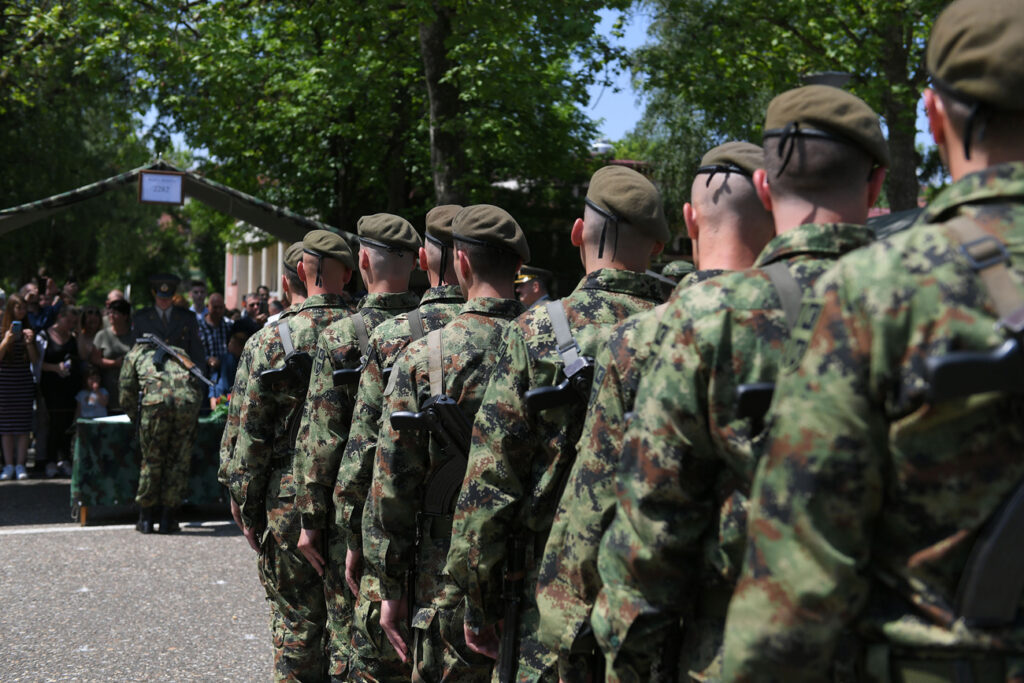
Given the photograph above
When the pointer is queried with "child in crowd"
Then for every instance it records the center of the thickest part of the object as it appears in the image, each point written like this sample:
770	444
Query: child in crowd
92	400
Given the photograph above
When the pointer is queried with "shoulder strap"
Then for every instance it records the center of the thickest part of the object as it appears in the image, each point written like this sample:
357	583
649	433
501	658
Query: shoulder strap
568	349
361	334
434	363
416	323
286	337
988	257
788	290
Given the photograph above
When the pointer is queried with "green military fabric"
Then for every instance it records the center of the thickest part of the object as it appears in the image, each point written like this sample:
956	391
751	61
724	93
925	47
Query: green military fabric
261	482
568	581
163	402
677	270
518	461
470	345
868	498
373	656
323	431
674	545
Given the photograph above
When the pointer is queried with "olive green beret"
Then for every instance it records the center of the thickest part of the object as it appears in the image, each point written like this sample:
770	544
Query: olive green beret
976	52
732	157
439	224
677	269
827	112
527	273
164	284
292	256
388	231
490	226
327	244
622	194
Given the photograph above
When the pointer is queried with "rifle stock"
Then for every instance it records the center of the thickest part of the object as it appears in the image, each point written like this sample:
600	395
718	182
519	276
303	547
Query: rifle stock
186	362
964	373
512	590
575	388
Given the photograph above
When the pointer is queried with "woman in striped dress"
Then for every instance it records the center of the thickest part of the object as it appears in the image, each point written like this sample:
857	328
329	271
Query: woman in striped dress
17	387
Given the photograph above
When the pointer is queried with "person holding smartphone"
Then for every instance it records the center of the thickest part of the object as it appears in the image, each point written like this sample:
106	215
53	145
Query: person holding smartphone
17	387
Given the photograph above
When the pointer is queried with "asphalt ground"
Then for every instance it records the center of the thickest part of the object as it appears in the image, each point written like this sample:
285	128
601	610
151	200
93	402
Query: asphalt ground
105	603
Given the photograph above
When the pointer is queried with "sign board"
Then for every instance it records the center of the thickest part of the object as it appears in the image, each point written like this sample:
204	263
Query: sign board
161	187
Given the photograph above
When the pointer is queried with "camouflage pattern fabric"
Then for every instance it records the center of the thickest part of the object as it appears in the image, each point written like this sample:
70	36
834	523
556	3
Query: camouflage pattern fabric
261	481
230	435
568	580
518	461
323	432
163	401
868	498
373	657
404	461
106	464
674	545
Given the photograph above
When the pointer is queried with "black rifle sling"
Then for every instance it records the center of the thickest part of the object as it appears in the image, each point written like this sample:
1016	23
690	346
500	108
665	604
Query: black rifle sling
416	324
992	584
788	290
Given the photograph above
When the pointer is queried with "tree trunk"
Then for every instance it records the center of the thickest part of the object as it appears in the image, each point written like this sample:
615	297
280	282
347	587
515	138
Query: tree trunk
900	114
443	99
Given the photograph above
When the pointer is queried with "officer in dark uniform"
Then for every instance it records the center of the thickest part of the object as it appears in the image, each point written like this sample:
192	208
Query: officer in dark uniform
176	326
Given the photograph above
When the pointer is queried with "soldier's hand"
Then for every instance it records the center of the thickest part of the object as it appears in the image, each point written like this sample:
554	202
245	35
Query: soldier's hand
236	514
250	535
353	570
394	613
484	643
309	546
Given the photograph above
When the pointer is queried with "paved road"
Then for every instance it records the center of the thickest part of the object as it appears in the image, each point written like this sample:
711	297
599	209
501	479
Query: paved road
104	603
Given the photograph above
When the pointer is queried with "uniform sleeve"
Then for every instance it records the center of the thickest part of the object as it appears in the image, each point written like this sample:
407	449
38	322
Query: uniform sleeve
816	495
128	387
356	470
568	581
499	463
323	431
401	463
650	553
230	435
251	463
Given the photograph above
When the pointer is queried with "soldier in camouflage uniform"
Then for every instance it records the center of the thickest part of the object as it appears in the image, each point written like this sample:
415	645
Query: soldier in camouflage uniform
672	549
163	401
873	492
295	290
373	658
489	247
519	460
260	477
387	256
729	227
677	270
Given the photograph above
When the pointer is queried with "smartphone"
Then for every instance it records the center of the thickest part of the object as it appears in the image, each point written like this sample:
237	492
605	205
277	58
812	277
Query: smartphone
16	327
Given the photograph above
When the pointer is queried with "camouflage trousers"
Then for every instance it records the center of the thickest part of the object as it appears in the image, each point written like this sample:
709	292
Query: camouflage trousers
295	592
340	605
537	662
373	658
439	648
166	438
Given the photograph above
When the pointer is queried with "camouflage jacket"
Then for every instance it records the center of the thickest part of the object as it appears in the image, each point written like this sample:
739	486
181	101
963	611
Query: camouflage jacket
230	435
677	531
170	386
437	308
469	347
264	447
327	414
518	461
869	498
568	581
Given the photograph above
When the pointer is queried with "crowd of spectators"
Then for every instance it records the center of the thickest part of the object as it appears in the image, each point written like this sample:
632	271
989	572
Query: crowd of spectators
60	362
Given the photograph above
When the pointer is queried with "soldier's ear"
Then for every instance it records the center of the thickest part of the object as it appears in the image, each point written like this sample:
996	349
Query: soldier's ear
423	260
762	188
875	181
690	218
576	236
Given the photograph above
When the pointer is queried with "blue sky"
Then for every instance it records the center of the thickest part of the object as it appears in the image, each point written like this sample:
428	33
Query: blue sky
621	110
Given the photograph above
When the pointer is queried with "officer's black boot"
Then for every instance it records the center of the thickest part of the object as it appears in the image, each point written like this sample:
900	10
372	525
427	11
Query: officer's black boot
145	523
168	525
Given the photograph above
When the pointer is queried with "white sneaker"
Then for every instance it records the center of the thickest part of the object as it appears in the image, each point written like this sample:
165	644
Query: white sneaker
7	473
51	470
21	473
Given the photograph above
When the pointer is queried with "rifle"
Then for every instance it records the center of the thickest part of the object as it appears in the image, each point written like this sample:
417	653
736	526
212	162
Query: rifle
441	417
513	583
575	388
963	373
164	350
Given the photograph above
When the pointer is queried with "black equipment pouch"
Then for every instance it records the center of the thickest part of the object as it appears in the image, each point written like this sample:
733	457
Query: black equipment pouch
578	369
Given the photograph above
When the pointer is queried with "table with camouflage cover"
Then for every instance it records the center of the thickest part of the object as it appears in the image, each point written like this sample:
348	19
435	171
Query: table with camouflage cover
106	465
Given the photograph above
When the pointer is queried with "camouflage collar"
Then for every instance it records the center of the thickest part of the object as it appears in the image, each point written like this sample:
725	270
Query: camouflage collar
699	276
327	301
386	301
442	293
493	307
623	282
1003	182
820	240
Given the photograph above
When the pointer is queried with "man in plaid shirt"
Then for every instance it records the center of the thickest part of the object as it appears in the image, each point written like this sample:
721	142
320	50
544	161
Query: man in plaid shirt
214	332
